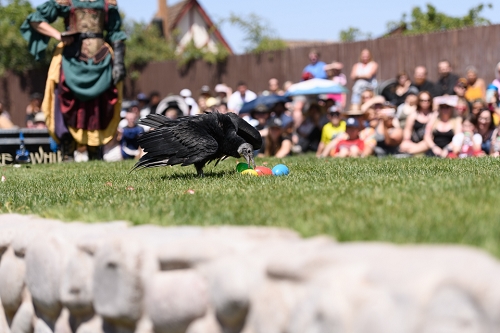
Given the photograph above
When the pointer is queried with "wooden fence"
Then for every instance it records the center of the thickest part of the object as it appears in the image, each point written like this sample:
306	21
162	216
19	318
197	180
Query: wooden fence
474	46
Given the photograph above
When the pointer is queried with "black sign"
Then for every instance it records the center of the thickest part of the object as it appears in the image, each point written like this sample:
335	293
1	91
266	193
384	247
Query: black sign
36	141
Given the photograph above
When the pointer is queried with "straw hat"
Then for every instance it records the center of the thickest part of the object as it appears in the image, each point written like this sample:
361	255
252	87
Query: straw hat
354	111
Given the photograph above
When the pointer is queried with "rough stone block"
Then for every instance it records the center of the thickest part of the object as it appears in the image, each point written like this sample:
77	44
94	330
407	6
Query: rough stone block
175	299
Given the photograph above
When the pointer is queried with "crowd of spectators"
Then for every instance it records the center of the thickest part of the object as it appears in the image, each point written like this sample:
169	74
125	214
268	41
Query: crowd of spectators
456	116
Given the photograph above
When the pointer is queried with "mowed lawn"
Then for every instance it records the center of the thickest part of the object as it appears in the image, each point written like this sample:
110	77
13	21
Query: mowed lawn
398	200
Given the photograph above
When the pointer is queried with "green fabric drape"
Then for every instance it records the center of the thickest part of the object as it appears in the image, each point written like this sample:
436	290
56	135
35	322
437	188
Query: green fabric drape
87	80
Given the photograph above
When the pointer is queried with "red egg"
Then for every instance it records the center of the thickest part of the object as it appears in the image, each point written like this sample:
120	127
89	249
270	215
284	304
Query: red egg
264	171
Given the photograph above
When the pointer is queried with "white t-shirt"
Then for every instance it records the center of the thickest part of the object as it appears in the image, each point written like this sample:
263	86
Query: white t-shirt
235	102
195	109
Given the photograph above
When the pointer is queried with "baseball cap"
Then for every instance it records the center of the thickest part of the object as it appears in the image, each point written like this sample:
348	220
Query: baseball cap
205	89
221	88
142	97
39	117
185	93
334	109
352	122
274	122
132	104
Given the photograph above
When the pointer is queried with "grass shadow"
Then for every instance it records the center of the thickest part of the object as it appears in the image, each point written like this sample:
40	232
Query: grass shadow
185	176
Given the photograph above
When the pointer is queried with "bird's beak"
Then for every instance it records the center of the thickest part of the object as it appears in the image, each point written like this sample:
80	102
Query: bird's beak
250	160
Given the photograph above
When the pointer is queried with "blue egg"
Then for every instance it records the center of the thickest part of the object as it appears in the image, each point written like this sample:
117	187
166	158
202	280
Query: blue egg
281	170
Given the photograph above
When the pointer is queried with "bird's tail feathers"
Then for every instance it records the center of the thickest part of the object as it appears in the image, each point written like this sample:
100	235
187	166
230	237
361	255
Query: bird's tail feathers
145	162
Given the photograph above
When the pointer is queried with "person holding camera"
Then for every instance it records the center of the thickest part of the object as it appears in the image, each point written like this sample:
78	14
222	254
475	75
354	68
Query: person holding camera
388	132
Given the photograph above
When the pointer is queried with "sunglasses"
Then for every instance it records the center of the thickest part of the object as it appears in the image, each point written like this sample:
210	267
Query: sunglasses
425	100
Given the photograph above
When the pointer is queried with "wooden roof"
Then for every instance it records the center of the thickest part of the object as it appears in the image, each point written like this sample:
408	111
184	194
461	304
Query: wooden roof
178	10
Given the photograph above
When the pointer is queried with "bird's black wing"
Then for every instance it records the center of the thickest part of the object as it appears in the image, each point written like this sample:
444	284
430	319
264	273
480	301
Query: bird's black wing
246	131
185	143
157	120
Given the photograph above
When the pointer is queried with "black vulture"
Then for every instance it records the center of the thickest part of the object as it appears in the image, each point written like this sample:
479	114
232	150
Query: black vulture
197	140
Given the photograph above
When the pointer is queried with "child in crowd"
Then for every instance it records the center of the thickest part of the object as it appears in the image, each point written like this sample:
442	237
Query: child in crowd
129	135
467	143
353	146
331	130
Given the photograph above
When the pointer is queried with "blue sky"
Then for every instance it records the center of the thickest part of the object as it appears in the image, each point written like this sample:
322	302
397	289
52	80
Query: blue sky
310	19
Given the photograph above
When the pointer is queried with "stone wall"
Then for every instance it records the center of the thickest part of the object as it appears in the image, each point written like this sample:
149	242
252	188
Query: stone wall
115	278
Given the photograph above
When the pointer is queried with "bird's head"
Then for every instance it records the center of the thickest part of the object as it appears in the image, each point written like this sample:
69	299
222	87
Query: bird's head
246	150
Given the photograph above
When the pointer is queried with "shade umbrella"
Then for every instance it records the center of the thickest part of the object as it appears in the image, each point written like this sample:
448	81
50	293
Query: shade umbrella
263	103
315	87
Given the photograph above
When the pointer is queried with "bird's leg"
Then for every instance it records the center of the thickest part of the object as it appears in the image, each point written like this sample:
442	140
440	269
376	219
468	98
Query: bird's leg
199	169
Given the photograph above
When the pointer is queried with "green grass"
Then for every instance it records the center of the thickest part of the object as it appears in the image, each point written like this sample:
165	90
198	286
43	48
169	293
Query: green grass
402	201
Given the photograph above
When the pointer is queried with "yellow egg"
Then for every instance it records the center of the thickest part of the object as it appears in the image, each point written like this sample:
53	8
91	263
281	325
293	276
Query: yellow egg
250	172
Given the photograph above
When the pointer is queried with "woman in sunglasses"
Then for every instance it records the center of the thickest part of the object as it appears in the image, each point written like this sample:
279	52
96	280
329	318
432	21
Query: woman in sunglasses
414	131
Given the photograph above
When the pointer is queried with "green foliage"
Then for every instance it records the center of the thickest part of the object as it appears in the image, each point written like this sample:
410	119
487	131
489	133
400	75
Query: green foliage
259	36
191	52
353	34
430	20
419	200
14	53
144	45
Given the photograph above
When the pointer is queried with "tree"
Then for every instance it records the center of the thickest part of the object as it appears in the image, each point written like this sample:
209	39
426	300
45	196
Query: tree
422	21
259	36
353	34
14	53
144	45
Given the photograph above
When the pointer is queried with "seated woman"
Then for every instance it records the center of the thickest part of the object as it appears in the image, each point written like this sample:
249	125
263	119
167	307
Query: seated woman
396	93
309	131
407	108
366	95
477	106
476	88
441	129
414	131
485	127
278	143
